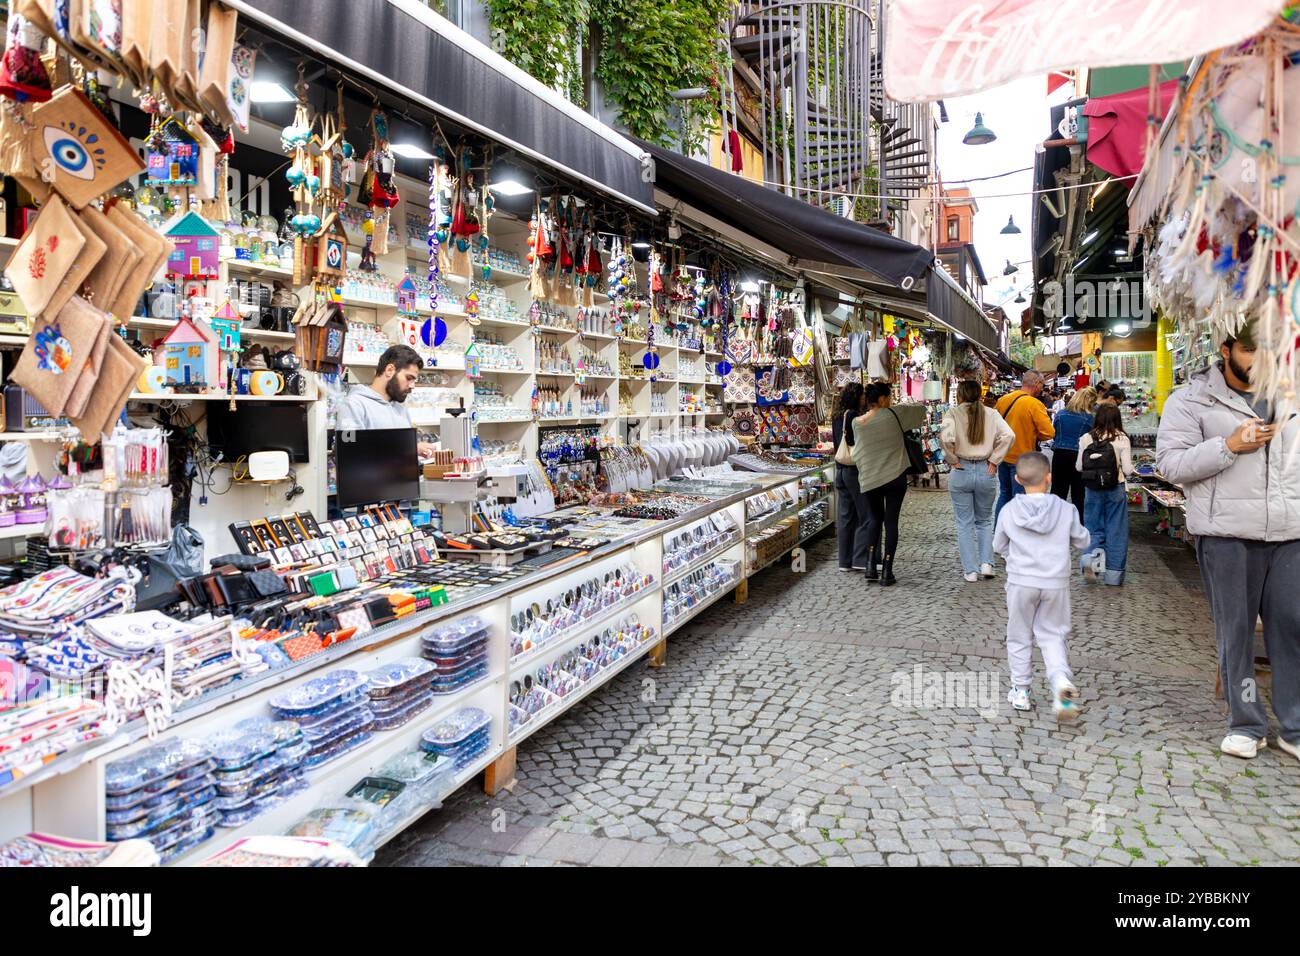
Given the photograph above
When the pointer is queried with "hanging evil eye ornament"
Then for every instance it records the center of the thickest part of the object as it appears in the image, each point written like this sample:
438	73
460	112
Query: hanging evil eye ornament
724	368
434	241
433	332
651	360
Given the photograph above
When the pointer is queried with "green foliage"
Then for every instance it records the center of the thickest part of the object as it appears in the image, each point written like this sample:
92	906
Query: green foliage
648	50
540	36
651	48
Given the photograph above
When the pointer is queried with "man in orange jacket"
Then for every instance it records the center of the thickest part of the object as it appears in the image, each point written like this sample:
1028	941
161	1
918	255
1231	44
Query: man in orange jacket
1028	418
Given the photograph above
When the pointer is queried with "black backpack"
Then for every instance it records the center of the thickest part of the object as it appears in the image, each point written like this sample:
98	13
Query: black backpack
1100	466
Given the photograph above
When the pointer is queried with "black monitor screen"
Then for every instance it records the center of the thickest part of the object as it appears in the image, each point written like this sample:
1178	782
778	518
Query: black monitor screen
376	465
258	426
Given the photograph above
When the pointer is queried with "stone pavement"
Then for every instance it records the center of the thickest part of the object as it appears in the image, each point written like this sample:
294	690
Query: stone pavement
797	729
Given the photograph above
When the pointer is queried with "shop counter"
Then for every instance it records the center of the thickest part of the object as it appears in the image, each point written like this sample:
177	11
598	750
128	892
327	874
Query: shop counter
67	796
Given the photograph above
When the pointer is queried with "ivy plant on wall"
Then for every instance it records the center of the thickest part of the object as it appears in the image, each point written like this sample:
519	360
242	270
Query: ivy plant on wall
541	37
648	50
652	48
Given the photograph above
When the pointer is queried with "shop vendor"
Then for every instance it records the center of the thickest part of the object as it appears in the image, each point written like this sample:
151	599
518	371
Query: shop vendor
381	404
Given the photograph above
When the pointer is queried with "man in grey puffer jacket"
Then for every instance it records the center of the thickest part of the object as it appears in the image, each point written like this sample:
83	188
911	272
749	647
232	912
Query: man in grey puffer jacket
1224	448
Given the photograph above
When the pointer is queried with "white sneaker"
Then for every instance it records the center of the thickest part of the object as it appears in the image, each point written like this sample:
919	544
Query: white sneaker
1065	700
971	578
852	569
1093	565
1292	749
1241	745
1018	697
986	571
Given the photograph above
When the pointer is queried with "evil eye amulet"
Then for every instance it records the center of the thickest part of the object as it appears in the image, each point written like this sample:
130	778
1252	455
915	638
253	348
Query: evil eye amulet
295	175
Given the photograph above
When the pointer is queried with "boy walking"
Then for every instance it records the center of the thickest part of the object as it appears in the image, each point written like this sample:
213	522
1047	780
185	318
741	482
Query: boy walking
1034	534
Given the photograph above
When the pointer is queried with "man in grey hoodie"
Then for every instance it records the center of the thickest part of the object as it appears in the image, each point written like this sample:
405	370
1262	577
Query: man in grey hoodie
1034	534
1230	449
380	404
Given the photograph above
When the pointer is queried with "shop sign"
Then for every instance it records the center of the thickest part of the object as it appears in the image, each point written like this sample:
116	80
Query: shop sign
948	48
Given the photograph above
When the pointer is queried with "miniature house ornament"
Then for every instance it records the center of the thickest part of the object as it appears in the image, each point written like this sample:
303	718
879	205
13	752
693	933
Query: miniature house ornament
189	355
226	324
171	155
195	255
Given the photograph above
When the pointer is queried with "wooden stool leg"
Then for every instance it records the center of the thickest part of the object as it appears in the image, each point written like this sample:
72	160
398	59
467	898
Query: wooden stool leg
658	655
500	773
742	591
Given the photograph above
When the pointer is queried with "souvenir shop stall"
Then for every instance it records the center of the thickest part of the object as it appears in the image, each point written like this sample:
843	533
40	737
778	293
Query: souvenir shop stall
230	634
923	362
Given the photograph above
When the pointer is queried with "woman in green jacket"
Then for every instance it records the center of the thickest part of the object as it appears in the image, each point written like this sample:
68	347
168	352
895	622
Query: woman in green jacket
882	462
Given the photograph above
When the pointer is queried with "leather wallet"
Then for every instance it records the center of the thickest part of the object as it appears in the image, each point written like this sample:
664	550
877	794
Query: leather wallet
265	584
244	562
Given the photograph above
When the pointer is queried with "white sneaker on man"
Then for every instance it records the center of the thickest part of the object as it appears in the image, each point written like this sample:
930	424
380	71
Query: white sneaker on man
1292	749
970	578
986	571
1065	700
1243	745
1018	697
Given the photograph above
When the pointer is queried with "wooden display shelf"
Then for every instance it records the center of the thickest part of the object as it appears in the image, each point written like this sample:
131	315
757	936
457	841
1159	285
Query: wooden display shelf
219	397
142	322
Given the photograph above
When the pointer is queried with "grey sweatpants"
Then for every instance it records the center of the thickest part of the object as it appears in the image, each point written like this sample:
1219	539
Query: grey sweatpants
1042	615
1246	580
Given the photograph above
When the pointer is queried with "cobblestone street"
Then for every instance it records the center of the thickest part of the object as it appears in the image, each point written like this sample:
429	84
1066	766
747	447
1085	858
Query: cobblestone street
787	731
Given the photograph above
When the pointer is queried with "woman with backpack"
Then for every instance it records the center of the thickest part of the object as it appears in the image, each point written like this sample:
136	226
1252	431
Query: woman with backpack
880	450
1070	425
975	439
1105	460
851	505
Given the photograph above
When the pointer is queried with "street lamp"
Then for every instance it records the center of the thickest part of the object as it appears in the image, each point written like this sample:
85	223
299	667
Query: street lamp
979	134
1011	229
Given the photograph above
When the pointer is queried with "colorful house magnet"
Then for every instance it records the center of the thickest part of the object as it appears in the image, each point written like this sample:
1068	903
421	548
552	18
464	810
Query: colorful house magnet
407	295
171	155
472	361
471	307
196	243
226	324
189	355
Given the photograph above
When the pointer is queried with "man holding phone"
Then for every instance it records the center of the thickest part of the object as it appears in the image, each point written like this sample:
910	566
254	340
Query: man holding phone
1221	443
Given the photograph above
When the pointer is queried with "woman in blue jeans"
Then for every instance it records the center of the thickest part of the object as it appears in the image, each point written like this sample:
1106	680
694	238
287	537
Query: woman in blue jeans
975	439
1105	509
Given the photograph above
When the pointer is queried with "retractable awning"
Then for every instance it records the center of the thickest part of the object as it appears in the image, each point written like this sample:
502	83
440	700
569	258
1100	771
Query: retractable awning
404	46
890	272
814	239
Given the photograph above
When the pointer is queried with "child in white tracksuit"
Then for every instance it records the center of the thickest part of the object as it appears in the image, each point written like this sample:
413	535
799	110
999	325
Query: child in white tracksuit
1034	533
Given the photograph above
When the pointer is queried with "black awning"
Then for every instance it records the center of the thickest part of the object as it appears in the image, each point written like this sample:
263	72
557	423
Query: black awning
805	232
944	300
455	75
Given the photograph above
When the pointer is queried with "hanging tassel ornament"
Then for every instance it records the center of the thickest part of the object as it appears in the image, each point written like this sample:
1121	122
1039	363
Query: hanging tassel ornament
433	237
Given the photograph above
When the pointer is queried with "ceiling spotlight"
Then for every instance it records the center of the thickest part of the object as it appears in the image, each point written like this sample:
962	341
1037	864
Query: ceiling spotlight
1011	229
979	134
640	239
410	151
510	187
264	91
750	286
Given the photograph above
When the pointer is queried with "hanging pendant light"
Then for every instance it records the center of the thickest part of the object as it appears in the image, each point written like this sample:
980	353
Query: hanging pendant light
979	134
1011	229
1020	298
1010	270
